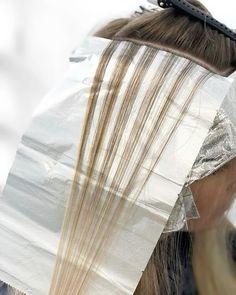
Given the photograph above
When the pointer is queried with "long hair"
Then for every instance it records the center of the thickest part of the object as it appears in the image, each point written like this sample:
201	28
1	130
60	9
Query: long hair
208	252
93	207
97	201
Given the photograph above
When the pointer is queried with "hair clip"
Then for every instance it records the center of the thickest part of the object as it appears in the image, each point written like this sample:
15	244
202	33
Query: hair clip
197	13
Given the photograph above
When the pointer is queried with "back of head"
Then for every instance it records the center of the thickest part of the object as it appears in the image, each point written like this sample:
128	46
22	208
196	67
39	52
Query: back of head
173	30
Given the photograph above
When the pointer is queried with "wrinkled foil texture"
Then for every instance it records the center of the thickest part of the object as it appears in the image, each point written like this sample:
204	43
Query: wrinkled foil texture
217	150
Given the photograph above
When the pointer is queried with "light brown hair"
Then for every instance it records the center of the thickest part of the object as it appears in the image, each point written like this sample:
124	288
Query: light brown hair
85	235
185	36
177	32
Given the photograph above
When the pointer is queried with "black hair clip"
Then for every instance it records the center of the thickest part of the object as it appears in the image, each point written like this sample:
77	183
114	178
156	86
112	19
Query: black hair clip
199	14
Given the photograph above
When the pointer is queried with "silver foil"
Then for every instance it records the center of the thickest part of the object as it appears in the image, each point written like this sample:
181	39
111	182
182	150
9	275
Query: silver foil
34	199
217	150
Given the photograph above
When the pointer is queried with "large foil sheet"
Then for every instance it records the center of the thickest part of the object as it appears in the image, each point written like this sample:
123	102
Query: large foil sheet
34	199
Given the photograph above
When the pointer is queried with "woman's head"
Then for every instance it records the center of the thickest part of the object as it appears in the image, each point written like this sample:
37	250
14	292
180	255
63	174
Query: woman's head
173	30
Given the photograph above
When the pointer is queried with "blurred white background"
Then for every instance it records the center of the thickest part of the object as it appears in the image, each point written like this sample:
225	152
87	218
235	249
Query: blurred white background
36	38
